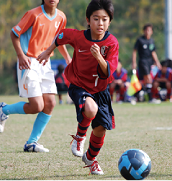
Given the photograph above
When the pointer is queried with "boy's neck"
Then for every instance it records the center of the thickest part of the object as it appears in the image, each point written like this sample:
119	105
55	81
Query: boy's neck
50	11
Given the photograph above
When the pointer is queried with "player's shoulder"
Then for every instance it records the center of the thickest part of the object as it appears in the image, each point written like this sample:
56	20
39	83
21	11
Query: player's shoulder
112	37
141	38
124	70
111	40
35	11
61	13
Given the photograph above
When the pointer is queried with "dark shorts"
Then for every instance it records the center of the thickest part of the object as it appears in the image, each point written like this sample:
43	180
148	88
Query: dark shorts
162	85
61	88
117	87
144	68
105	114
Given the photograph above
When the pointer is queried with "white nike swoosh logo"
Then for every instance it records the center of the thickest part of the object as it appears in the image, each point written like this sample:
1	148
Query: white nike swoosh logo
82	50
41	24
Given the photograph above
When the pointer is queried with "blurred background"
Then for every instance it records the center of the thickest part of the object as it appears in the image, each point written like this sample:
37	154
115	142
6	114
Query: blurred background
129	18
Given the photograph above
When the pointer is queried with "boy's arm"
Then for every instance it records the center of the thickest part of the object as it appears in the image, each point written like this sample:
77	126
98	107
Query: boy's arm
24	61
95	50
46	54
134	55
62	49
155	57
163	79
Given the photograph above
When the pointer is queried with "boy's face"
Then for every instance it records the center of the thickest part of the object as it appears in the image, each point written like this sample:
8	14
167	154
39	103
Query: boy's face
119	67
148	32
51	3
164	69
99	23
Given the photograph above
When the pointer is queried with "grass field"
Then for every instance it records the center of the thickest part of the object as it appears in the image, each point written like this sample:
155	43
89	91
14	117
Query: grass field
143	126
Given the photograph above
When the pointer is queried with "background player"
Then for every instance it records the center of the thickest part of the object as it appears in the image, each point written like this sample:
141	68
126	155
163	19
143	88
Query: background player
61	82
146	51
94	60
162	79
32	35
119	83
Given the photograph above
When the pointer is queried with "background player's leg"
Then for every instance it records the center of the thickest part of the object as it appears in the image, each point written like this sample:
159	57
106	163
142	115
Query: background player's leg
41	122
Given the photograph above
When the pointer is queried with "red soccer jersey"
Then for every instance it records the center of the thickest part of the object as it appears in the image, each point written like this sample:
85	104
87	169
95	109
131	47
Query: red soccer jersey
37	30
167	75
84	70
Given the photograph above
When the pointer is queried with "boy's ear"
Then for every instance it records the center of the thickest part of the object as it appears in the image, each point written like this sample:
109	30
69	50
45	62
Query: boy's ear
88	21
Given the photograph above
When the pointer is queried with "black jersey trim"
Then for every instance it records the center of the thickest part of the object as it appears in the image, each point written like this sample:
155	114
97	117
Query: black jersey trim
87	34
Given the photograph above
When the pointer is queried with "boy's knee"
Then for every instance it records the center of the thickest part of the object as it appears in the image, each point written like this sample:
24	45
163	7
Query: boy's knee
36	108
90	108
50	104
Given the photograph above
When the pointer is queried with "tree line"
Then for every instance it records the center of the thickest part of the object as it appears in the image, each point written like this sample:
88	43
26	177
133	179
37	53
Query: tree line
129	18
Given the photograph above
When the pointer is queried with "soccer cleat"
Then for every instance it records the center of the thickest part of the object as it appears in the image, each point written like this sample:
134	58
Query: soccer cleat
3	117
133	101
93	165
78	145
34	147
155	101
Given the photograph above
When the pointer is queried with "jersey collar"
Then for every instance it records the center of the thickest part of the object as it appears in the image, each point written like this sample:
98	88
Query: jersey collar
50	18
87	34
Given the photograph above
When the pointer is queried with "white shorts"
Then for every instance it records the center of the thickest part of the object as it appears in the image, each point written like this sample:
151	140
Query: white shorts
36	81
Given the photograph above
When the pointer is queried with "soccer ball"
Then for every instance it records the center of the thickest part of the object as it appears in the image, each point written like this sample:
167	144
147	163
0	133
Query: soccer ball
134	164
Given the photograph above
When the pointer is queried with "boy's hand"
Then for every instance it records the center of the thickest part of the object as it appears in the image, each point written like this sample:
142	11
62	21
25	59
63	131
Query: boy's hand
24	62
95	50
43	56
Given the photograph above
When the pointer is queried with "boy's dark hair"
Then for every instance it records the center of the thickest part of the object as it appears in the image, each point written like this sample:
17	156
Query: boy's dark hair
42	1
147	25
95	5
169	62
60	68
164	63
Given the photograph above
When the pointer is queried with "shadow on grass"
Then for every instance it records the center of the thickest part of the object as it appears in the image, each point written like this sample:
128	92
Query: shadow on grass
159	175
68	177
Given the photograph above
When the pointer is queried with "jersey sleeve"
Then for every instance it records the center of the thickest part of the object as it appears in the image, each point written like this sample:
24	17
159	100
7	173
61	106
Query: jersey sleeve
157	75
136	45
112	61
25	23
66	36
65	22
124	78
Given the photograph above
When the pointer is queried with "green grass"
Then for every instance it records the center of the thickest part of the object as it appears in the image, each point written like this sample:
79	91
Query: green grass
143	126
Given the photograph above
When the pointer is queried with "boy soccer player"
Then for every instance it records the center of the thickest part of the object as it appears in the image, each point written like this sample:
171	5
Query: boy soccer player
162	79
33	34
119	83
94	60
146	50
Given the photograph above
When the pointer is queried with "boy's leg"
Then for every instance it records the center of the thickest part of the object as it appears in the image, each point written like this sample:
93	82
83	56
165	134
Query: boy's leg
40	124
79	139
148	85
89	113
5	110
96	143
38	128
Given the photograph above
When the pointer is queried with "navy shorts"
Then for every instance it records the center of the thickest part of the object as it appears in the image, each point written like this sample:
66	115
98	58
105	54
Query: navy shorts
105	114
144	68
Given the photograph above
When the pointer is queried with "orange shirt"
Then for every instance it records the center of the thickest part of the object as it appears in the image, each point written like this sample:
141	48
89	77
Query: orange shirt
37	30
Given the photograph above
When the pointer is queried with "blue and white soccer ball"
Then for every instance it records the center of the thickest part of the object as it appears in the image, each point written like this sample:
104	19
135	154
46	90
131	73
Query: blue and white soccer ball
134	164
